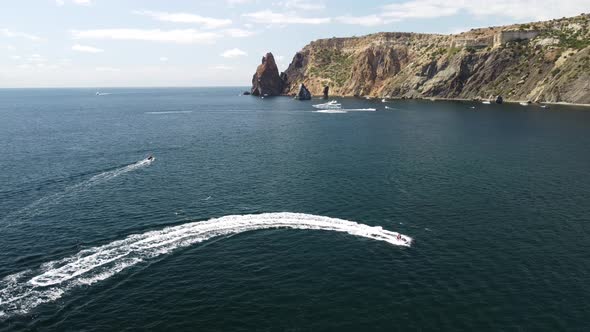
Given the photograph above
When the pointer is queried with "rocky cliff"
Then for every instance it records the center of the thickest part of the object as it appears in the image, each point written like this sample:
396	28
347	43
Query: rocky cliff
542	61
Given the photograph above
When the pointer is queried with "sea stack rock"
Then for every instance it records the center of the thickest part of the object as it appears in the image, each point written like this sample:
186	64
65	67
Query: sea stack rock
499	100
266	80
303	93
326	91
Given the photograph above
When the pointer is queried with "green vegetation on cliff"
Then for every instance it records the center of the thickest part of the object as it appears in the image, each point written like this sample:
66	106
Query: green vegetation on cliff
540	61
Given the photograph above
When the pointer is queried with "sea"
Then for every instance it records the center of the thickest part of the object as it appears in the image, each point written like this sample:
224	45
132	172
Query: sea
263	214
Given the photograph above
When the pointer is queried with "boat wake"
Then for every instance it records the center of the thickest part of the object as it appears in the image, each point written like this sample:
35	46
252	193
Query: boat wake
41	205
346	110
334	111
22	292
169	112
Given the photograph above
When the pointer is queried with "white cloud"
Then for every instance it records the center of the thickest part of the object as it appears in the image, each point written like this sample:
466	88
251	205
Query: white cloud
270	17
421	9
301	5
86	49
36	58
8	47
207	22
185	36
16	34
520	10
107	69
234	52
237	2
223	67
164	59
369	20
238	33
15	57
76	2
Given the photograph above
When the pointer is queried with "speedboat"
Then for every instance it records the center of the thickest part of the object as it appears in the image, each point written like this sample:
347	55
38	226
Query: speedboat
151	157
329	105
524	104
487	102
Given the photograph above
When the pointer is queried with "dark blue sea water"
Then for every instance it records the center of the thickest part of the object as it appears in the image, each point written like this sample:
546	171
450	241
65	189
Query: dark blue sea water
94	237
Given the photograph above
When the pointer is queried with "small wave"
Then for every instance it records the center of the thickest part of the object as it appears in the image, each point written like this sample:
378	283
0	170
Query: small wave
22	292
41	205
169	112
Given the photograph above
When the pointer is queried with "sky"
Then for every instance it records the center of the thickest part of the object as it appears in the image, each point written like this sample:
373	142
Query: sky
118	43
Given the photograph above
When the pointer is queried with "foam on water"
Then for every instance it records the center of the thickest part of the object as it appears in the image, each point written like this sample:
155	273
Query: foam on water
334	111
41	205
346	110
23	291
169	112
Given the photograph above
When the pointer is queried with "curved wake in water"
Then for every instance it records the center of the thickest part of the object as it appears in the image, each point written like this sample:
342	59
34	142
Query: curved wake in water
21	292
41	205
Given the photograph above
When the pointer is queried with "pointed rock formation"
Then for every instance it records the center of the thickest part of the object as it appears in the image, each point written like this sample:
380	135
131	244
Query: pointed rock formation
266	80
303	93
326	91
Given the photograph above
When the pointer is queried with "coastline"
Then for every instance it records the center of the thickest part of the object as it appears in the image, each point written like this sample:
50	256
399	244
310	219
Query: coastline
506	101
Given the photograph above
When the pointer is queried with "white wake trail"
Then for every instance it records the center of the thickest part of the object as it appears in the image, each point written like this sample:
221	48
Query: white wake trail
41	205
169	112
21	292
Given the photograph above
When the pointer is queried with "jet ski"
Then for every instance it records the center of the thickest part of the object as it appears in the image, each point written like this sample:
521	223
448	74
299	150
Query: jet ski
150	157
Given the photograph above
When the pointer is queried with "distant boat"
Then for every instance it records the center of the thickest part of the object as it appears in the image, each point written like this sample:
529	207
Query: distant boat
487	102
524	104
329	105
544	106
383	100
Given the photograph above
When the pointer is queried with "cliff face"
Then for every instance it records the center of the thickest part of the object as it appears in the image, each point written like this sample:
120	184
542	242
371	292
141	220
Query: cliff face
553	64
266	80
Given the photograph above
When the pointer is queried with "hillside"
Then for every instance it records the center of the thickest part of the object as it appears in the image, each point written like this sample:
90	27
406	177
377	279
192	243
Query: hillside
541	61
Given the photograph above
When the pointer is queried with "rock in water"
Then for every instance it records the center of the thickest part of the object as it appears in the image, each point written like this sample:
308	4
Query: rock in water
303	93
326	90
266	80
499	100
